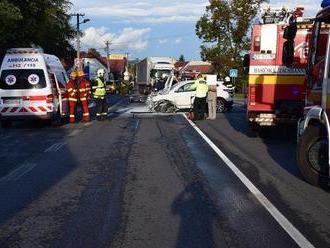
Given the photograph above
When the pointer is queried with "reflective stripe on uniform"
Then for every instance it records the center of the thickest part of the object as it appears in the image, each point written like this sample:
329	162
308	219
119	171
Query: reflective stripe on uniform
83	99
72	99
82	90
69	90
72	116
97	114
104	113
86	114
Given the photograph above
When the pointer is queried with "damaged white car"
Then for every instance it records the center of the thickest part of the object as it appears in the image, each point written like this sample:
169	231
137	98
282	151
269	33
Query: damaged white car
178	96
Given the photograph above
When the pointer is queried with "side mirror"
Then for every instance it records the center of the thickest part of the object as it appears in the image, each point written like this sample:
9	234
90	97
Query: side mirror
246	62
288	53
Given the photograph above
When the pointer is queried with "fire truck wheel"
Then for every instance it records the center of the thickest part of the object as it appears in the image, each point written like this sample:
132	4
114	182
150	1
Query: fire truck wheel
312	156
6	123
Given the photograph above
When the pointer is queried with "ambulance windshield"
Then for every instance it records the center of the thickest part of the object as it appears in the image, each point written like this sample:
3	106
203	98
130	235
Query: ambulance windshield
22	79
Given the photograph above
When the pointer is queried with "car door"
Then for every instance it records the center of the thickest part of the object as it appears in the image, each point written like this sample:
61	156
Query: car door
184	96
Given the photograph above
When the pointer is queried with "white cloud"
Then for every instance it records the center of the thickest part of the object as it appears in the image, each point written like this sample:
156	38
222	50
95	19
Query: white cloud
128	38
311	6
163	41
145	11
178	41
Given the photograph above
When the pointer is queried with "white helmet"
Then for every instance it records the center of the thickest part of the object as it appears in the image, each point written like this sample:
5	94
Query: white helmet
100	72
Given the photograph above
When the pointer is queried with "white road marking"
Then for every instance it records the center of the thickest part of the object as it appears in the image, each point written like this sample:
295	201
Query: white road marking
294	233
74	133
55	147
19	172
137	124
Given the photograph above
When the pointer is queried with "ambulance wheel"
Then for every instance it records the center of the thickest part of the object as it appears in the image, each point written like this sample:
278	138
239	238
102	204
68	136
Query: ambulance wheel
312	156
56	119
6	123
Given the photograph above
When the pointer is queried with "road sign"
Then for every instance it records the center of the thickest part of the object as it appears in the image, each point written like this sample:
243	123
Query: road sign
233	73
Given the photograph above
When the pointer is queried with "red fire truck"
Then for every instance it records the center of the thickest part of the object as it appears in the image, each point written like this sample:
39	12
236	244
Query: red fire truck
276	91
314	128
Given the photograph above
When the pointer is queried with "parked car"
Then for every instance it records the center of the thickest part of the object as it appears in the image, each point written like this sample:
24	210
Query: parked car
178	96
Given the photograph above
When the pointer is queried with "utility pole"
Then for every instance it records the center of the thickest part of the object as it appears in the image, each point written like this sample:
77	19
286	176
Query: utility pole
78	15
108	58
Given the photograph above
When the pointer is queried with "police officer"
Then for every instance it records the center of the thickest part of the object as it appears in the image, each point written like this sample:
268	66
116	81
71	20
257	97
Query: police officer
100	96
200	98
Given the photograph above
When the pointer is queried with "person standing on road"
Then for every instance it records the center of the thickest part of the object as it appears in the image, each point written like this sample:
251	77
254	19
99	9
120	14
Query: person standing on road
83	95
200	98
73	96
212	102
100	96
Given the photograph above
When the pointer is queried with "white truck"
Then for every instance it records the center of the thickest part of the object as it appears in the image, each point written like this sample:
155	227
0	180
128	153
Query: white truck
152	69
178	96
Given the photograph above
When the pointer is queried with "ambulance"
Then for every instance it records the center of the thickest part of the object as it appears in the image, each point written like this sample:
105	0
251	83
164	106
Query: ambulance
276	90
32	85
314	127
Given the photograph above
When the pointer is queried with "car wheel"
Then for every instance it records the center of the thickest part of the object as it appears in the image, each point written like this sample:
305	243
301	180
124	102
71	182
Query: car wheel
312	156
167	107
221	105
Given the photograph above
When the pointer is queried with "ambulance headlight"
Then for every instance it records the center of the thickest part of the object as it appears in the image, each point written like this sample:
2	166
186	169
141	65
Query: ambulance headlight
325	3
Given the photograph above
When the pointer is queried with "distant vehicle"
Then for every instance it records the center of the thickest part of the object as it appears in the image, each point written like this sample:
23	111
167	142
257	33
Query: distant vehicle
180	95
152	69
314	127
32	85
276	92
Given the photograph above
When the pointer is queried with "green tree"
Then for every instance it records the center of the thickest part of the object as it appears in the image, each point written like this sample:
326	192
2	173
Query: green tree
224	30
93	52
37	23
181	58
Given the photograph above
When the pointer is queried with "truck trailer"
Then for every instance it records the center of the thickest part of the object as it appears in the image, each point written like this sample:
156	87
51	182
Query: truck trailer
152	69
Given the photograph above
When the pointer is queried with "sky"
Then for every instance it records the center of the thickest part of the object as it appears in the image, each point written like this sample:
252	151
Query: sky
152	28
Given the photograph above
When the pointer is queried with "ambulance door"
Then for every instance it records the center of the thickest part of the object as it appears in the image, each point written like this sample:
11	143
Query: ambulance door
59	94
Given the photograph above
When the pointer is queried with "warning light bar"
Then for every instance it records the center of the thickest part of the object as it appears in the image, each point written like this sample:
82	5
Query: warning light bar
24	50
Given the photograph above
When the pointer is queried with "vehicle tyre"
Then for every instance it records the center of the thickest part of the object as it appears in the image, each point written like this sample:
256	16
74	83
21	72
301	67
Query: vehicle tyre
56	119
221	105
312	156
6	123
167	107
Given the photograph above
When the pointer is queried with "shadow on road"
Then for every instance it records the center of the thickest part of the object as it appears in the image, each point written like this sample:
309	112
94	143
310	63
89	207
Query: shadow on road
197	217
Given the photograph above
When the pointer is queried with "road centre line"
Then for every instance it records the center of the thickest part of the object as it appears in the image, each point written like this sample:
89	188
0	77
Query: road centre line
294	233
55	147
19	172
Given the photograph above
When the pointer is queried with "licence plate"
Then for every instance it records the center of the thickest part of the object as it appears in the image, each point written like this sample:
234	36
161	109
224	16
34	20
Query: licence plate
12	101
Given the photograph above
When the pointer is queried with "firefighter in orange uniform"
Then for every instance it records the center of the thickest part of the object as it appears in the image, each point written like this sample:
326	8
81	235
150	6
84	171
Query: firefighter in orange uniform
84	89
73	96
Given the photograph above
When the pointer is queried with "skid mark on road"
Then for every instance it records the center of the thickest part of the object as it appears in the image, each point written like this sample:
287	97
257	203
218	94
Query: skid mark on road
19	172
291	230
55	147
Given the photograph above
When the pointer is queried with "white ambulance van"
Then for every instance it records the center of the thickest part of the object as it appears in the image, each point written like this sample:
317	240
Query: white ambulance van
32	85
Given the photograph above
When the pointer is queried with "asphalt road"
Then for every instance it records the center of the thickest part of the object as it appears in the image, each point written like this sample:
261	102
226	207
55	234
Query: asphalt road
146	180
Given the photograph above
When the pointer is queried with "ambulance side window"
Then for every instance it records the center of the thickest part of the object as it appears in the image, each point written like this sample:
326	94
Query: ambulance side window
60	79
